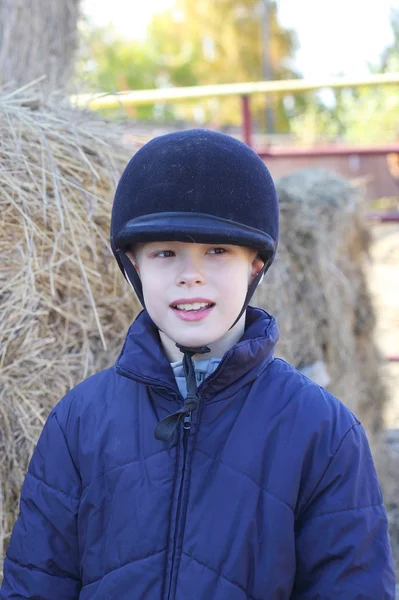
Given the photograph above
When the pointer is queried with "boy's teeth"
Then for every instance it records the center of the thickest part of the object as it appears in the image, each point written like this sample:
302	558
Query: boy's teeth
193	306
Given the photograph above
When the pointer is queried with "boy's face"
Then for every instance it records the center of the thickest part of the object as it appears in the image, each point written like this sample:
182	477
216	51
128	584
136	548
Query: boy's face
175	273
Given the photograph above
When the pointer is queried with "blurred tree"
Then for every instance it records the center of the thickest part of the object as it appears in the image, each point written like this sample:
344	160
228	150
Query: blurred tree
220	41
109	63
198	43
37	37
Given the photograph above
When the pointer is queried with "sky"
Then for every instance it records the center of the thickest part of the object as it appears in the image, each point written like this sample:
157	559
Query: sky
335	38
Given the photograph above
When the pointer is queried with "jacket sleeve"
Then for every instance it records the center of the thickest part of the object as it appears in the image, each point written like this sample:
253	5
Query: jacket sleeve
42	557
342	543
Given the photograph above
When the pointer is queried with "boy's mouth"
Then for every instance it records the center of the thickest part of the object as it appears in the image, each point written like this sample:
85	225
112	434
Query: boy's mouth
192	311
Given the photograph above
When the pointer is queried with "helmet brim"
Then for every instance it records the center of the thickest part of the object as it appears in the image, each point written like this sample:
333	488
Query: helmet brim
192	227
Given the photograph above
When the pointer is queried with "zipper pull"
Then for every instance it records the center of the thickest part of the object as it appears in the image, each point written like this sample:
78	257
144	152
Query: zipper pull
187	421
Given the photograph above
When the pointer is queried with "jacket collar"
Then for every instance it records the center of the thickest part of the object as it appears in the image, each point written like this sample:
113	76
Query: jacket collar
142	357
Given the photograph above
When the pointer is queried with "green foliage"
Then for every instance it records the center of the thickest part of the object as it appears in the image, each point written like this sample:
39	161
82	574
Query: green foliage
220	41
195	43
109	64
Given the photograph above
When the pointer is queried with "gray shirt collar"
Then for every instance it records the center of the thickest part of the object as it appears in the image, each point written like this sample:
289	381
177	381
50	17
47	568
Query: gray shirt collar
203	368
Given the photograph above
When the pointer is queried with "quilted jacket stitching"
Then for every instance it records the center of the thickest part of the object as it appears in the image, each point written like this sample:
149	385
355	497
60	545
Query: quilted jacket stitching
129	562
129	462
307	501
220	575
342	510
53	488
65	437
32	568
250	478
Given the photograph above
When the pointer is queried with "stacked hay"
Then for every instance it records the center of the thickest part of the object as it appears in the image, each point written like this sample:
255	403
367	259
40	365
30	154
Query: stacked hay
62	297
317	290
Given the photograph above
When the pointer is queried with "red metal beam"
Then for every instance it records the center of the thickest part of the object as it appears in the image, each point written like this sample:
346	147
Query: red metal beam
383	217
329	151
246	121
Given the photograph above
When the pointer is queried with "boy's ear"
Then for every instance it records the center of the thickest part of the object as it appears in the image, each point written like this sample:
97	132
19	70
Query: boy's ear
256	266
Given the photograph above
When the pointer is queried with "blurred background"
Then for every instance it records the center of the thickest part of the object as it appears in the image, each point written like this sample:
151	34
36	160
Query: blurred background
165	43
312	86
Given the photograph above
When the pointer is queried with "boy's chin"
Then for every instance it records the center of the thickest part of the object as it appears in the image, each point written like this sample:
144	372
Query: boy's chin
192	341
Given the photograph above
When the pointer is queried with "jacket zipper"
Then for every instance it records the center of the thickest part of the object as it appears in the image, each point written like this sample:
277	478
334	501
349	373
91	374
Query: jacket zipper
200	376
186	432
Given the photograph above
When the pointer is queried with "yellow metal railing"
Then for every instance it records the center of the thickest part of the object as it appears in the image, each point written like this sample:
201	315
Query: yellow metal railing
180	94
244	90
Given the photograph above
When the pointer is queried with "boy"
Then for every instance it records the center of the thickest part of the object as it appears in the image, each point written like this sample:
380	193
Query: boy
257	483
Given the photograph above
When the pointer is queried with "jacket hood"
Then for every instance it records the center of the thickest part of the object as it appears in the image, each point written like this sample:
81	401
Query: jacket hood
142	357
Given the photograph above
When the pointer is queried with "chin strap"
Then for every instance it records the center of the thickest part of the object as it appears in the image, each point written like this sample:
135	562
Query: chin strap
167	428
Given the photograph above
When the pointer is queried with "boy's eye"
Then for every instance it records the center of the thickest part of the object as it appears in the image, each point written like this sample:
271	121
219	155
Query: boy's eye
169	253
219	250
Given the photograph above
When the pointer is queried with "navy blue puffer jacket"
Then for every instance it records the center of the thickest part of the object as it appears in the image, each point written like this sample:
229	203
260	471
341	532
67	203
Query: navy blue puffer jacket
272	494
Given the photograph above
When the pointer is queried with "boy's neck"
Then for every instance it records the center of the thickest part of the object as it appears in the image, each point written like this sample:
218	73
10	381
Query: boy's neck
218	348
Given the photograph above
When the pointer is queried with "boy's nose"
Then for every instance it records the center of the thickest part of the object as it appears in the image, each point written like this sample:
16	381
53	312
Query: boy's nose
187	278
191	273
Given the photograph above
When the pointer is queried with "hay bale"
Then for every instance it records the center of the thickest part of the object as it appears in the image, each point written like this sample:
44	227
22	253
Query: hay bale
317	290
64	306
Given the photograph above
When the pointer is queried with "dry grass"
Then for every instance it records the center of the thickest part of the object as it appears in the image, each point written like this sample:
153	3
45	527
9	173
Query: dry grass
64	305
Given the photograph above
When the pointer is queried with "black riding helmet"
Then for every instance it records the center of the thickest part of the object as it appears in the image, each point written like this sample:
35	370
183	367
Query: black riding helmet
195	186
